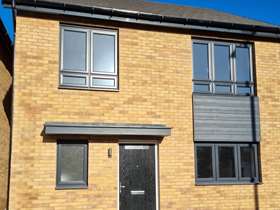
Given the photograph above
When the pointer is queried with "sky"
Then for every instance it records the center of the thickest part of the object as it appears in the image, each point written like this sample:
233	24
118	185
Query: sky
7	18
263	10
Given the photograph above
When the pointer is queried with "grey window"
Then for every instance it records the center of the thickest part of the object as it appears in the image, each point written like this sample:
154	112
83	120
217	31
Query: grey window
243	64
71	164
222	62
74	50
200	61
204	162
222	68
88	58
226	163
248	166
104	60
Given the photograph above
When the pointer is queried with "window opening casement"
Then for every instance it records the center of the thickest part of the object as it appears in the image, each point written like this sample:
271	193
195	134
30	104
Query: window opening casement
222	68
88	58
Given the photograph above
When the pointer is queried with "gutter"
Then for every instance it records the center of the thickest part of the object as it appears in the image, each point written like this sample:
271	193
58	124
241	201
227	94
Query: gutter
134	17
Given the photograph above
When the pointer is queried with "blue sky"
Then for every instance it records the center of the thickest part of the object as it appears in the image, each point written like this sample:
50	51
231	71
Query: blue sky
6	16
264	10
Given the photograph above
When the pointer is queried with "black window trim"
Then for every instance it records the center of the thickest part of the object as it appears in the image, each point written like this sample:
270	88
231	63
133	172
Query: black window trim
89	72
73	185
211	68
228	181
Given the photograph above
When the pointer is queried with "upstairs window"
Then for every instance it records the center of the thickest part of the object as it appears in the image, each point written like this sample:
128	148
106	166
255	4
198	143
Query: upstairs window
88	58
222	68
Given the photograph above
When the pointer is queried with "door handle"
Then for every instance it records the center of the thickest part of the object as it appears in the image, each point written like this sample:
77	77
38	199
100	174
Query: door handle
122	187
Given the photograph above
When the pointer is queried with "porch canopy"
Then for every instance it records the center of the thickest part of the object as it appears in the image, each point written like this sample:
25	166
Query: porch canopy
106	129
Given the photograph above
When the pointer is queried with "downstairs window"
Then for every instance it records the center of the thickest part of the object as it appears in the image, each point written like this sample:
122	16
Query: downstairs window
226	163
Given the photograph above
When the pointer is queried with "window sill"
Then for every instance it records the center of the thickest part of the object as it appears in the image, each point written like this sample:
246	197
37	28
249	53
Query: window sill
71	187
222	94
226	183
87	89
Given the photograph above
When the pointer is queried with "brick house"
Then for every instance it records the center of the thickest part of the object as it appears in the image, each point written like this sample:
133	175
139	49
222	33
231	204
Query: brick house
134	105
6	63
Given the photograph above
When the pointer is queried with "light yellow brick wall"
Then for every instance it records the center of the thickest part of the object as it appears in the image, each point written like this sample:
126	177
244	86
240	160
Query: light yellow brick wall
155	87
5	83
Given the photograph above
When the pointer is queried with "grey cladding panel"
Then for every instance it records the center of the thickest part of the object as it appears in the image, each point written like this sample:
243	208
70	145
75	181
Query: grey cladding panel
226	118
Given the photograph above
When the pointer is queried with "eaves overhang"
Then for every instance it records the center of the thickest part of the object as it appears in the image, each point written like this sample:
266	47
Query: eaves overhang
105	129
135	17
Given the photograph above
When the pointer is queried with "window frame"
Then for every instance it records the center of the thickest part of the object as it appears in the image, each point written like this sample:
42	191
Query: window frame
216	180
72	185
74	75
89	73
74	29
104	32
236	165
232	83
256	165
205	180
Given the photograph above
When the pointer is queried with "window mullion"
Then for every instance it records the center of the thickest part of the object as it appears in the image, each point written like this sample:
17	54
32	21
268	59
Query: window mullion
211	67
233	60
252	87
256	162
238	162
216	161
89	57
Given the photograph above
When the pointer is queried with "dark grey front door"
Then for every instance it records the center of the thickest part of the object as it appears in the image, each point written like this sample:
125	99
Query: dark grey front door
137	177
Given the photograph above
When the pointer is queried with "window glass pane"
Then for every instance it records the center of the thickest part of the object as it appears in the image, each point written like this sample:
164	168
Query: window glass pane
243	64
103	53
74	50
74	80
201	88
222	62
103	82
222	89
247	158
226	162
200	61
71	162
243	90
204	162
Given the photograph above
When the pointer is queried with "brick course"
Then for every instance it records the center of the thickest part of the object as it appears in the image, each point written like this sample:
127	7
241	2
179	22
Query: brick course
155	75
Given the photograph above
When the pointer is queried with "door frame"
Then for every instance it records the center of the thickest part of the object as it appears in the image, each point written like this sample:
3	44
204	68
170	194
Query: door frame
126	141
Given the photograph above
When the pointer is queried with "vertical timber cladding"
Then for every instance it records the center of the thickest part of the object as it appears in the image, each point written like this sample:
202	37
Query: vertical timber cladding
226	118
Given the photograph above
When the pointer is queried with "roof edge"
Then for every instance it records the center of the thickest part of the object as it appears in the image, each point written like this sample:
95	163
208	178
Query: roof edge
136	17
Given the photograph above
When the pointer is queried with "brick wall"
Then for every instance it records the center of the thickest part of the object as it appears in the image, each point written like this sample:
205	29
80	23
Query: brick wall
155	87
5	84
